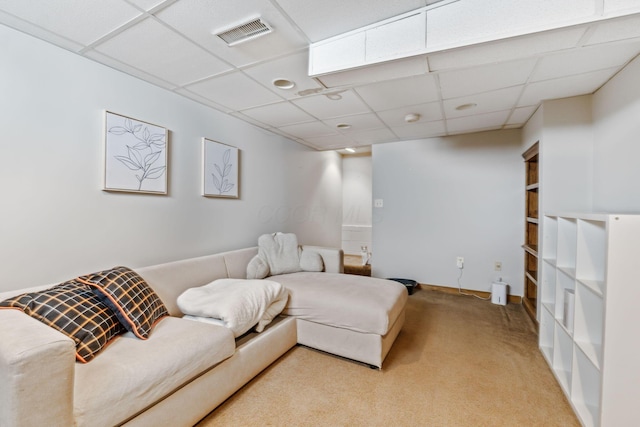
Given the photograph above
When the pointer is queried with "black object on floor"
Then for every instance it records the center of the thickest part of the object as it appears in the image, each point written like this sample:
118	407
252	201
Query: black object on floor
410	284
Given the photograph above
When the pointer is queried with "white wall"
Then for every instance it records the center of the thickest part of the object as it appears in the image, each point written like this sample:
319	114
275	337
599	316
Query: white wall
56	222
447	197
356	203
616	112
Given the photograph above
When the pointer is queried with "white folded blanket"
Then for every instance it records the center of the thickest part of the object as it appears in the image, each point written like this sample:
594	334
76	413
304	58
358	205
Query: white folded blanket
240	304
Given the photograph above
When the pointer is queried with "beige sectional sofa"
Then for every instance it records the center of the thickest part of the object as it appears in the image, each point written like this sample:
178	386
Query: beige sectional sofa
186	369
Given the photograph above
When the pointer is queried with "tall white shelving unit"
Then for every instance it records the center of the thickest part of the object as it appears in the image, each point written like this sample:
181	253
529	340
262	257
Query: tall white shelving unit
594	349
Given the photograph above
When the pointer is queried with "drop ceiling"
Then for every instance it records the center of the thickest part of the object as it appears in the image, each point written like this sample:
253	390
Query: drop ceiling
504	75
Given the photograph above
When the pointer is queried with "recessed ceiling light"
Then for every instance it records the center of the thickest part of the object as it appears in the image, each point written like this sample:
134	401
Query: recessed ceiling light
412	117
466	106
350	150
283	84
343	126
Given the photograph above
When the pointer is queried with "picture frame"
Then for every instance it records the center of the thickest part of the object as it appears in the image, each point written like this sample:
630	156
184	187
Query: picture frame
220	170
135	155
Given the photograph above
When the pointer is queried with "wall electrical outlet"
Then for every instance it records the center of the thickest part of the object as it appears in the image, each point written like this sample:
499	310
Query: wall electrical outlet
460	262
378	203
497	266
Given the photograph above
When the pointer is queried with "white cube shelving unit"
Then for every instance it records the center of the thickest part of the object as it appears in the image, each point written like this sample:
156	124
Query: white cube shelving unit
597	360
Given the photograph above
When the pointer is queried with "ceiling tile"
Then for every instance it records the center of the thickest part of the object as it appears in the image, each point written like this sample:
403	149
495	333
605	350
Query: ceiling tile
201	19
79	20
618	5
331	142
308	130
277	115
485	78
126	68
196	97
497	100
376	73
151	4
293	67
420	130
338	16
235	91
373	136
564	87
155	49
506	50
399	93
616	29
358	123
322	107
466	22
521	115
478	122
585	60
428	113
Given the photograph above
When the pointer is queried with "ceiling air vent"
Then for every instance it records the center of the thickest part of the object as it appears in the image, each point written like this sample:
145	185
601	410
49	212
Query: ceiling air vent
245	32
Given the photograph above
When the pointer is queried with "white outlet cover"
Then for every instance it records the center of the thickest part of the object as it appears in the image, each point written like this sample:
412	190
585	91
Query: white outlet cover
378	203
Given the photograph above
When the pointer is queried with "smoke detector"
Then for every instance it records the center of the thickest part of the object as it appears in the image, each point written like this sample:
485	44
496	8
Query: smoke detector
244	32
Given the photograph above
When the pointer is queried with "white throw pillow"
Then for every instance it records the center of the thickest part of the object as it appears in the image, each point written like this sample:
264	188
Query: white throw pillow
311	261
257	268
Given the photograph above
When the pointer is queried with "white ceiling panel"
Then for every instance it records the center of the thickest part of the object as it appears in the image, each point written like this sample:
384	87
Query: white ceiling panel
124	67
617	29
331	142
200	19
611	6
584	60
521	115
235	91
79	20
376	73
155	49
420	130
338	16
398	93
292	67
485	78
479	122
308	130
278	115
373	136
428	113
358	123
506	50
147	5
564	87
322	107
497	100
475	20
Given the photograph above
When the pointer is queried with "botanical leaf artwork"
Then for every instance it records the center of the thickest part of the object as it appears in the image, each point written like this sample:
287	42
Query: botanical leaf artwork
221	182
220	169
139	147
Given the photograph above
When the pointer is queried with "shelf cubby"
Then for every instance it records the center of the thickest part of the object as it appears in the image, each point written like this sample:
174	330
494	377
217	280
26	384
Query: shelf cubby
547	326
586	389
562	358
550	238
567	247
588	323
548	286
563	282
590	256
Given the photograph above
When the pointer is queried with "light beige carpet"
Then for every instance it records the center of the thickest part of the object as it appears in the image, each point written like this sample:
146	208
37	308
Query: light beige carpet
458	361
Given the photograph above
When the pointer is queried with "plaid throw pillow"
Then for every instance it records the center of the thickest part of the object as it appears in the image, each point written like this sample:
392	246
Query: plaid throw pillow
73	309
137	306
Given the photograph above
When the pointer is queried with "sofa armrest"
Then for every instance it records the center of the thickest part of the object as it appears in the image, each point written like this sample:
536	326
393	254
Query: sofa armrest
37	366
333	258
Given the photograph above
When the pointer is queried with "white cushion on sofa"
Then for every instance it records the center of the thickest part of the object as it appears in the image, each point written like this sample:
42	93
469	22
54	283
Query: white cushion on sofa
359	303
132	374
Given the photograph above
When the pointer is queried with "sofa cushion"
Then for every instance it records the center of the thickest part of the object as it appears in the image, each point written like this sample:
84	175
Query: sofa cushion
280	251
134	374
137	306
73	309
359	303
311	261
257	268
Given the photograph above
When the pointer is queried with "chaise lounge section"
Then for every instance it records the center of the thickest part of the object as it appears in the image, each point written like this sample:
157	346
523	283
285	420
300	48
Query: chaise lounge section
185	369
